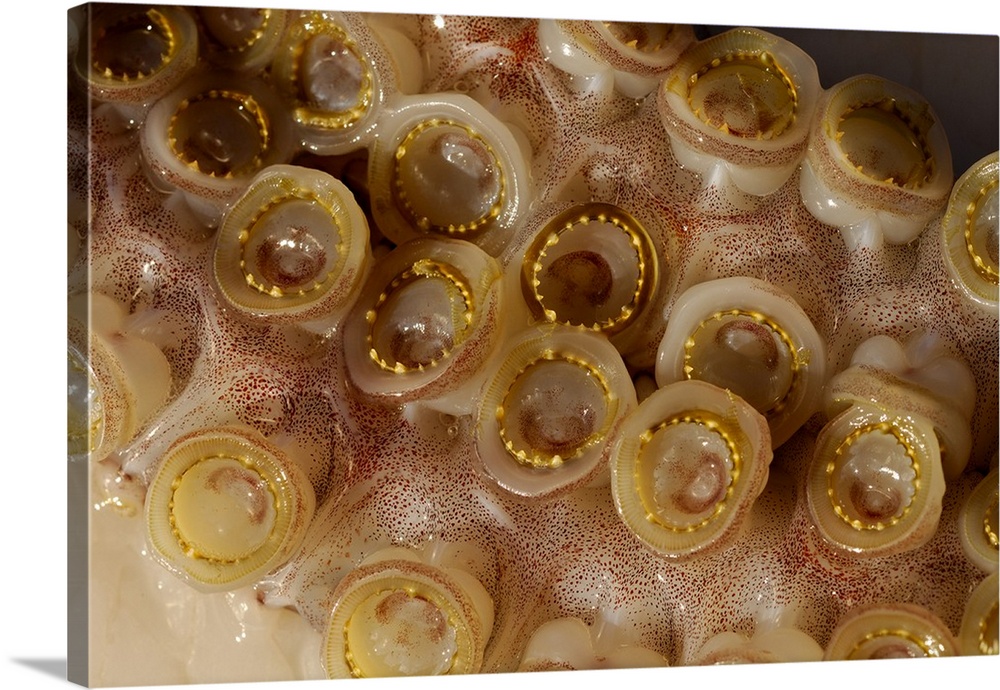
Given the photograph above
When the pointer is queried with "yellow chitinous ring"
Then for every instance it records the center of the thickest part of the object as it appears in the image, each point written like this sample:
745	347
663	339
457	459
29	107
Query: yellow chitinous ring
878	164
225	508
905	376
980	631
978	524
752	338
552	400
294	247
209	137
740	102
242	39
969	233
686	467
890	631
397	616
637	54
593	265
423	161
335	73
135	55
424	320
445	166
875	484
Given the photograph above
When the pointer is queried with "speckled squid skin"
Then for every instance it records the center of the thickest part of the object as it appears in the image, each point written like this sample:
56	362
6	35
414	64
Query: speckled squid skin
388	475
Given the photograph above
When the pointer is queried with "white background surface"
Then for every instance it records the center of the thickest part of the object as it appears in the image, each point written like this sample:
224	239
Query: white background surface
33	514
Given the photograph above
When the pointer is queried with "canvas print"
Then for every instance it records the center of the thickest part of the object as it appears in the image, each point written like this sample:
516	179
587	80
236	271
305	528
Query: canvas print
406	345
